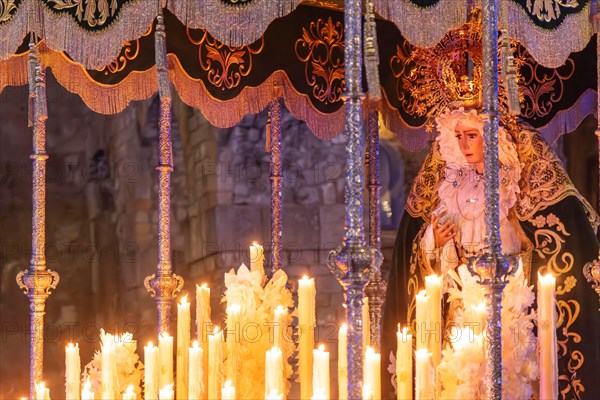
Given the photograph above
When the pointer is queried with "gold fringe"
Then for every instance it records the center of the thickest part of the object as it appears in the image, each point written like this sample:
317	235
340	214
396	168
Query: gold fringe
61	33
550	48
13	71
423	27
233	26
252	100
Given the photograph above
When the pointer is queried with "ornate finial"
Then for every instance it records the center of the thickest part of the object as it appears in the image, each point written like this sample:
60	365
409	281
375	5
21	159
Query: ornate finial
591	271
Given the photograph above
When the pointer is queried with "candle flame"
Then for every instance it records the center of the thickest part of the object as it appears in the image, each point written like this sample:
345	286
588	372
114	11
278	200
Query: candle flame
422	293
184	300
234	308
71	346
422	353
164	335
216	330
195	344
227	384
321	347
129	389
344	328
204	286
150	344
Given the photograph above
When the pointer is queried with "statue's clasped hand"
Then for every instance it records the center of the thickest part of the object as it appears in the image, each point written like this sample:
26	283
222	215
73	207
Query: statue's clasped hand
442	233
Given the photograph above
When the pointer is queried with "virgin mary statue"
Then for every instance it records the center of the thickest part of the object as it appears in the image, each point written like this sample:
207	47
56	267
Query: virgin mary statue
543	220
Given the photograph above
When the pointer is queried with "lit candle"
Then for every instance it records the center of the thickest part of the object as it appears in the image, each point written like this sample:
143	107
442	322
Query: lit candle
433	288
368	393
274	371
151	364
72	371
195	372
183	345
343	362
372	371
41	391
165	359
274	396
109	364
228	391
547	337
422	305
319	394
404	364
321	371
166	393
233	342
366	327
203	322
279	326
129	393
306	325
215	359
86	392
423	380
257	258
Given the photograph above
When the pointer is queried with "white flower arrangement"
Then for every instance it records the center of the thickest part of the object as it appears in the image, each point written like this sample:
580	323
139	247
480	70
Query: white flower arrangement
461	373
130	370
258	302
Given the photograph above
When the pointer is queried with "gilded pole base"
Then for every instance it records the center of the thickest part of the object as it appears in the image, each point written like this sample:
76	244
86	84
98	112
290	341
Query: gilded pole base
37	285
493	271
351	265
163	288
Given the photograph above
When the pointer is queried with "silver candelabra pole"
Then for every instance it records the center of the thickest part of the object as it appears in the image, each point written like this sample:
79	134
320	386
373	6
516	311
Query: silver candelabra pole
492	268
351	262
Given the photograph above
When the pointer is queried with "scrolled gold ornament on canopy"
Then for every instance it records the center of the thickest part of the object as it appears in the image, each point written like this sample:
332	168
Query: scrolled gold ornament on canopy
321	49
93	12
225	65
6	9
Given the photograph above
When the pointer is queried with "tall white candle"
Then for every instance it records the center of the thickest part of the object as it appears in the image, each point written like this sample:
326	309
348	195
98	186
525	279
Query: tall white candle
366	327
280	316
41	391
72	371
404	364
372	371
183	345
433	288
86	392
166	393
321	371
195	372
343	362
151	371
129	393
228	391
274	396
547	337
165	357
109	364
233	341
422	306
274	371
306	323
257	258
424	380
367	392
215	360
203	323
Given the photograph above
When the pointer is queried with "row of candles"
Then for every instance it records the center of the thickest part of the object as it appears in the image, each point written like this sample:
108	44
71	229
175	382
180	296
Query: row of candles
198	371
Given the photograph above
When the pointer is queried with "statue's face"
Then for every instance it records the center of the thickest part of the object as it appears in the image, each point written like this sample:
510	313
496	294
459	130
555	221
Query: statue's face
470	142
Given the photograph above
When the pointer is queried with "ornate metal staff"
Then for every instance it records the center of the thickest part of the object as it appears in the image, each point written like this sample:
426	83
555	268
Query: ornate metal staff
377	287
492	267
274	137
37	281
351	262
163	285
